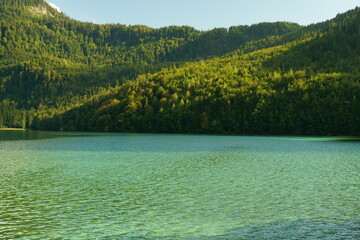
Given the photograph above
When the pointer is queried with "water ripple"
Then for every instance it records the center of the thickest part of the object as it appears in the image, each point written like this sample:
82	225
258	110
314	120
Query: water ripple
64	194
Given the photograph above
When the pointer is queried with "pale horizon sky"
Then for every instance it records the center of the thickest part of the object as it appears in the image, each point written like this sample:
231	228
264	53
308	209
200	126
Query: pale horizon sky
203	14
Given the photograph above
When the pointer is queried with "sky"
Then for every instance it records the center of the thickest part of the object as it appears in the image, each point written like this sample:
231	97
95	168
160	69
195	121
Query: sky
202	14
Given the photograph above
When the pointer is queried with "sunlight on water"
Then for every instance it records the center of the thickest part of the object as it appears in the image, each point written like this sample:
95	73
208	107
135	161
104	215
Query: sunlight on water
114	186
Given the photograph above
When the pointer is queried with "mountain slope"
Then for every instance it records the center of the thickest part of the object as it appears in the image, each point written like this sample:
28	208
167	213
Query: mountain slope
44	54
280	78
308	86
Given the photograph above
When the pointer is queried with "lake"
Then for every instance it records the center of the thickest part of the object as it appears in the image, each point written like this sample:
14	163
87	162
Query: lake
154	186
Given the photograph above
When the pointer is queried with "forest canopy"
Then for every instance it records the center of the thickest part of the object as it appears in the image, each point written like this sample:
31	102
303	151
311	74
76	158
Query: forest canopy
57	73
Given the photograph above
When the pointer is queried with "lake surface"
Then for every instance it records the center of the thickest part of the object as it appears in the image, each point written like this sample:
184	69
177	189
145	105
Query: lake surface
147	186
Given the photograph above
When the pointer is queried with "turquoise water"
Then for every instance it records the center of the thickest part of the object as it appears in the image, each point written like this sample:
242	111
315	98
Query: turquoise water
147	186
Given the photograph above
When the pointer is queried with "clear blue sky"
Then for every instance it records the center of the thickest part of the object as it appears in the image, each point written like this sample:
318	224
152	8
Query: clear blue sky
203	14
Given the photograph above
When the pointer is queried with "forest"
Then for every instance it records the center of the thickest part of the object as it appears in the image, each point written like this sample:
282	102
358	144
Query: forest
60	74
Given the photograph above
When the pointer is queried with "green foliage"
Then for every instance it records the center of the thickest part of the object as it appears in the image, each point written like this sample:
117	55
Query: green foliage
47	57
228	95
270	78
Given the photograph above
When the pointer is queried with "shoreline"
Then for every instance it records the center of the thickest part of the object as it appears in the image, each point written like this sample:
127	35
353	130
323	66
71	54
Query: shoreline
187	133
14	129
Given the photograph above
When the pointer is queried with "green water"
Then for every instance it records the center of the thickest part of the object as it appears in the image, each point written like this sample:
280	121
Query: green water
143	186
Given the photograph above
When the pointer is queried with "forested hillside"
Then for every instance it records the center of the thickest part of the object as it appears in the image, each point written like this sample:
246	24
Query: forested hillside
270	78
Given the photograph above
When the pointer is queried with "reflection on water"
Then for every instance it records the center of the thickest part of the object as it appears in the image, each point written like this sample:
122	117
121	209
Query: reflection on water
147	186
12	135
16	135
117	142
